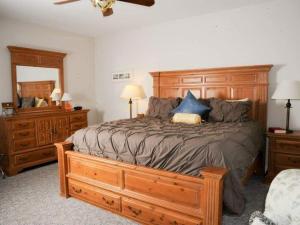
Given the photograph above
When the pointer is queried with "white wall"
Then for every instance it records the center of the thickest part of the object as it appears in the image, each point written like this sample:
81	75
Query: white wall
79	63
262	34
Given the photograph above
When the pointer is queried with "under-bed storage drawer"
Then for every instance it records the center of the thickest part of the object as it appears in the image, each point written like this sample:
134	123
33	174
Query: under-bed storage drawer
150	214
95	195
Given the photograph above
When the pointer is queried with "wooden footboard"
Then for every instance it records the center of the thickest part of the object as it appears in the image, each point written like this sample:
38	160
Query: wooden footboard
146	195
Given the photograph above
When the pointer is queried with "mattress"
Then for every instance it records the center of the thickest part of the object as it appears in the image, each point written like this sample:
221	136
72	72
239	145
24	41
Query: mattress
178	147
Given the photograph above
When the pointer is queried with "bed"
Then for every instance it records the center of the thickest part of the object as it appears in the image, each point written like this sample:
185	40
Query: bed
128	186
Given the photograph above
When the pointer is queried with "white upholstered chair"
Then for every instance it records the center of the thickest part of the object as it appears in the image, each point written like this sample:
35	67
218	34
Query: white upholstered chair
282	205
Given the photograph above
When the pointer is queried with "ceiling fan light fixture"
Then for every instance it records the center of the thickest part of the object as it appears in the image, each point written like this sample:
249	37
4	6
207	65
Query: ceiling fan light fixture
104	5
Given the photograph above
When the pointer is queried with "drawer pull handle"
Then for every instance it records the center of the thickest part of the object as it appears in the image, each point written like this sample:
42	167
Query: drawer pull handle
47	153
135	211
23	159
108	202
293	160
77	190
24	144
24	134
174	223
23	125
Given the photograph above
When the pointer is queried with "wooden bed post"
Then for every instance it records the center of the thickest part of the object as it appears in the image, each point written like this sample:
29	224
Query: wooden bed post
63	166
213	186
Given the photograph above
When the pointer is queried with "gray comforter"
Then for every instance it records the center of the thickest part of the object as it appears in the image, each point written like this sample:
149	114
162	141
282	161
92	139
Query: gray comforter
178	148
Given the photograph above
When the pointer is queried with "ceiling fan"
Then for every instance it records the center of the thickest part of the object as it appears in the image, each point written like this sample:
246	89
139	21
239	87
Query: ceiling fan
106	5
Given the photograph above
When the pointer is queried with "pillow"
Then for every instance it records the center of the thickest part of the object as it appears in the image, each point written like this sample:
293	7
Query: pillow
238	100
27	102
224	111
191	105
40	102
161	107
186	118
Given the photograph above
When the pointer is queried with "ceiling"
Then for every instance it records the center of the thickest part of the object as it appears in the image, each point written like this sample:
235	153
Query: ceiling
82	18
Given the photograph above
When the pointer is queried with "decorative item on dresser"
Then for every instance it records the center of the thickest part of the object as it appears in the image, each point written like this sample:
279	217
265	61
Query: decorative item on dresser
67	98
153	196
27	138
284	153
288	90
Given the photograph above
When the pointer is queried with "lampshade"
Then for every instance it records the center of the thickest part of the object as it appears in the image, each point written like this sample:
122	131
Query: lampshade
287	89
55	92
66	97
132	91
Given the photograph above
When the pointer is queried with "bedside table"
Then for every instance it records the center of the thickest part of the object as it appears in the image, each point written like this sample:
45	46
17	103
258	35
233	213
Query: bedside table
284	153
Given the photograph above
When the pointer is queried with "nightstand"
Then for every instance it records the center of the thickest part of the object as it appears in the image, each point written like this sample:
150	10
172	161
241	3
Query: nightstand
284	153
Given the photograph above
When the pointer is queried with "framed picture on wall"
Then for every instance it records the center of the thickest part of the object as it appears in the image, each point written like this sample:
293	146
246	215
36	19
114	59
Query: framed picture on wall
122	76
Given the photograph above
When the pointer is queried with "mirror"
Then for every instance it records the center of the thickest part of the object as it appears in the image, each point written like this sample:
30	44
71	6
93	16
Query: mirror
36	74
35	85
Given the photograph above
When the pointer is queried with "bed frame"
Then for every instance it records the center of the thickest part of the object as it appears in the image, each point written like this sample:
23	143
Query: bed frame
152	196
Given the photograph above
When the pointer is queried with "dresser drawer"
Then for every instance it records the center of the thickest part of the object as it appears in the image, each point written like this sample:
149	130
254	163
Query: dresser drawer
78	118
287	160
77	126
35	156
23	124
150	214
24	134
95	195
287	146
24	144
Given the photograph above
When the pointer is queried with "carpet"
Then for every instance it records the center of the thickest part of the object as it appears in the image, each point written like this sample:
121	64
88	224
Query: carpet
32	198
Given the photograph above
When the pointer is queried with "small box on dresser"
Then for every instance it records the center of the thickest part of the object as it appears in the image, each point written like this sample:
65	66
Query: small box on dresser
283	153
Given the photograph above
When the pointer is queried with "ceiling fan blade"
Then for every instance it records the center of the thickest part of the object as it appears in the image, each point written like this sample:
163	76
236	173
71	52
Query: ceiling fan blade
108	12
65	2
140	2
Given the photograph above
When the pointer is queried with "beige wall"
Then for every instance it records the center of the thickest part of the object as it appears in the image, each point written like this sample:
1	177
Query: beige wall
267	33
79	62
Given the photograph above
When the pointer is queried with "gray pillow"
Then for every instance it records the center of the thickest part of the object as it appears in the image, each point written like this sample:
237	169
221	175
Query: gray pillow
28	102
161	107
223	111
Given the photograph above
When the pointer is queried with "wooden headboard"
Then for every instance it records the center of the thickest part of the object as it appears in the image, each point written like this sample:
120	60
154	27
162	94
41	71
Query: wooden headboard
225	83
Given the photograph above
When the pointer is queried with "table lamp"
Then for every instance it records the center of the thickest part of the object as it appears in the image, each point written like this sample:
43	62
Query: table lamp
132	92
287	90
67	98
55	95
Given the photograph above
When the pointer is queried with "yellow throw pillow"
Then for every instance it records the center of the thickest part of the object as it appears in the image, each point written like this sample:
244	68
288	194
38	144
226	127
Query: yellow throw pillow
187	118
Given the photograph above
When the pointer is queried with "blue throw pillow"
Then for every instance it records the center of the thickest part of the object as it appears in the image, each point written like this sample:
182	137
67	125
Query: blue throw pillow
191	105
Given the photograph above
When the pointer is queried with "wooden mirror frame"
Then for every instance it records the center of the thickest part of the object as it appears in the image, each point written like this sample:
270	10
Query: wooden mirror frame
36	58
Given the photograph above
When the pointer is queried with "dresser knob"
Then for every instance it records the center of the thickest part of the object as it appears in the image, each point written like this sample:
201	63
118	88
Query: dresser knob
108	202
135	211
77	190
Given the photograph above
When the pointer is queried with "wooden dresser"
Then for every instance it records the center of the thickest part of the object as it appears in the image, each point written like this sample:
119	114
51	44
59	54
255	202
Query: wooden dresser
27	140
284	153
